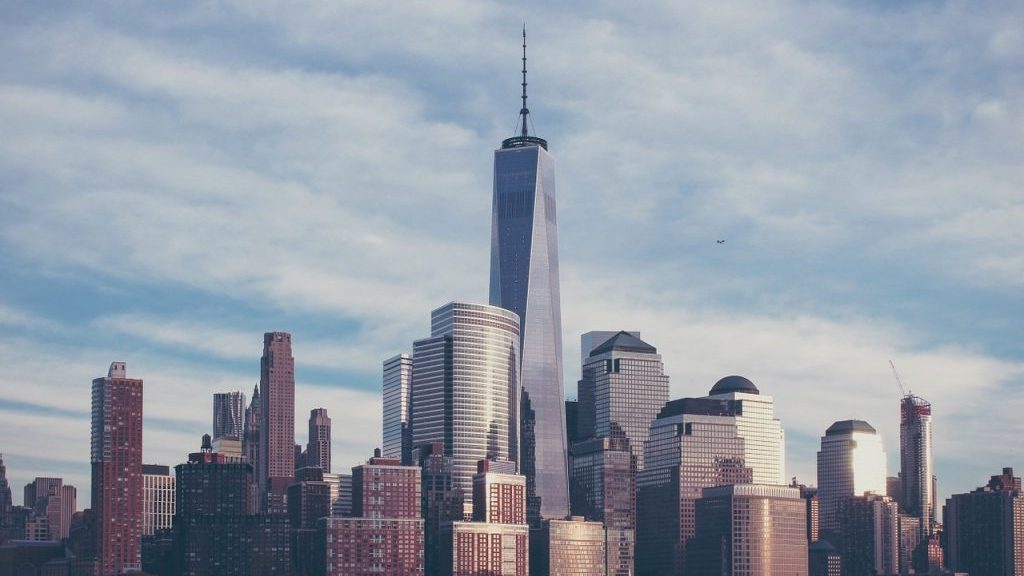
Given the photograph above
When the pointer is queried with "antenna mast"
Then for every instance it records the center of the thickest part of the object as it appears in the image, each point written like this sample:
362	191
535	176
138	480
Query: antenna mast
524	112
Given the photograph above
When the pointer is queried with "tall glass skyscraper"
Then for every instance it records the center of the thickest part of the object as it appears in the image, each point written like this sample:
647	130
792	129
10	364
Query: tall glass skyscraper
764	441
465	390
916	464
524	279
397	386
851	463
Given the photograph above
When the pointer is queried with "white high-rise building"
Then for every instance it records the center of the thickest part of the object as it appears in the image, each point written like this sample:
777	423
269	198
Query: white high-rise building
764	441
158	499
851	463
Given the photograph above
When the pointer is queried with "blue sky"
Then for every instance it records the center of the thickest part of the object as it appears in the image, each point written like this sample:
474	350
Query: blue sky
176	180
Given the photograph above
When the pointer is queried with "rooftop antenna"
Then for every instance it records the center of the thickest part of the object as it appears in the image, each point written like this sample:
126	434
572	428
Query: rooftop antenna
524	112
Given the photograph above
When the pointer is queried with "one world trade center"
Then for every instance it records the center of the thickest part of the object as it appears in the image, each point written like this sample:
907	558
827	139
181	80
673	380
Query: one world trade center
524	279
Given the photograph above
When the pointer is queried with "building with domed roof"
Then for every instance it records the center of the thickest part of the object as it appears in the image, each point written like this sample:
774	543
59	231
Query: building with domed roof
764	440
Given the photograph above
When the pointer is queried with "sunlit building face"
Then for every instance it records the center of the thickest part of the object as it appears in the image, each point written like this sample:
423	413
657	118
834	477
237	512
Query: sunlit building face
851	463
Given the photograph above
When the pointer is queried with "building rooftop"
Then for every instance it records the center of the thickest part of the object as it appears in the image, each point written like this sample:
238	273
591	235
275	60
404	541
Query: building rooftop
733	384
848	426
624	342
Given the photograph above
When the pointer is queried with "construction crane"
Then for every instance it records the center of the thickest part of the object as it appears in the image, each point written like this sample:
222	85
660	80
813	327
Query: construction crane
898	379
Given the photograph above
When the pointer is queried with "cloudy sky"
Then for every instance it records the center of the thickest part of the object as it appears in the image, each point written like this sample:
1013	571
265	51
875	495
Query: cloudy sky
176	179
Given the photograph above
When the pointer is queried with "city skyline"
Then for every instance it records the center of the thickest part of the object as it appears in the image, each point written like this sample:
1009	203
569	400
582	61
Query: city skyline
857	247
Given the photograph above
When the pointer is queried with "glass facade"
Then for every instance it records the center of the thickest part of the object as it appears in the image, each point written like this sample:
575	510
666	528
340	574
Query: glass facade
851	463
465	388
397	388
749	530
524	279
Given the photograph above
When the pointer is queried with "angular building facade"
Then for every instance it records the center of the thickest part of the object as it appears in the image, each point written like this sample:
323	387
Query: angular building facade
276	459
228	415
525	280
749	529
466	388
851	462
569	547
397	386
623	388
116	458
868	537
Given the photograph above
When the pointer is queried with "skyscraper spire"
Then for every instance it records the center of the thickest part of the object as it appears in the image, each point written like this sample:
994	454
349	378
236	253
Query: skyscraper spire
524	112
523	138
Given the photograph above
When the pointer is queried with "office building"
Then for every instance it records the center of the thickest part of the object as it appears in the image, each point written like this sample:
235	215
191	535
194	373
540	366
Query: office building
824	559
623	388
602	485
277	430
917	470
465	389
984	529
851	462
52	504
318	449
397	387
116	459
158	498
764	442
810	497
524	279
228	415
749	529
309	500
694	444
385	533
569	547
868	537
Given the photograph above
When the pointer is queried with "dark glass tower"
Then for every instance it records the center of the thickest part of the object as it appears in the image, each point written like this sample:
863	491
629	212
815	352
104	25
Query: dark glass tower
524	279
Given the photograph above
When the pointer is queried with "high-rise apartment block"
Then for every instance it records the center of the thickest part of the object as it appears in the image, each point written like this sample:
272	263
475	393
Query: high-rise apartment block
694	444
397	402
442	502
851	462
277	431
228	415
158	498
985	528
497	540
603	488
623	388
750	529
917	469
318	449
525	280
385	533
116	458
465	388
